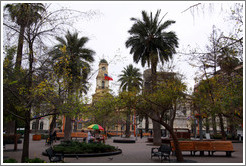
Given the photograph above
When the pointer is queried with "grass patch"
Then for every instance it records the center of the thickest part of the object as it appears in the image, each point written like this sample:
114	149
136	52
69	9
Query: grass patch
10	160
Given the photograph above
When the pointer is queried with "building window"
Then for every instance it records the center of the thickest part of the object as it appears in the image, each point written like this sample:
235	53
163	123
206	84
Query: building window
33	125
103	84
41	127
79	125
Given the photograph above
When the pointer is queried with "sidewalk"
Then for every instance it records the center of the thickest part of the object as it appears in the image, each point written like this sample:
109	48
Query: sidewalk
139	152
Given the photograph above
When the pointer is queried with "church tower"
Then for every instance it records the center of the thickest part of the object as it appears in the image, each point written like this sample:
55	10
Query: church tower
102	85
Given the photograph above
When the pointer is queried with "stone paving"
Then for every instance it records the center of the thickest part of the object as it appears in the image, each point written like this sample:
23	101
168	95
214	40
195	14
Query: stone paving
138	152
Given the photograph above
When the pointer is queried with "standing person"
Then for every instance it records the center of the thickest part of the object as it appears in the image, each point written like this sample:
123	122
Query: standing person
54	135
141	133
89	136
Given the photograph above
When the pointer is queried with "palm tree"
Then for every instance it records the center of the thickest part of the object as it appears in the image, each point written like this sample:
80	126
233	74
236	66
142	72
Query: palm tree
149	43
24	14
131	81
76	64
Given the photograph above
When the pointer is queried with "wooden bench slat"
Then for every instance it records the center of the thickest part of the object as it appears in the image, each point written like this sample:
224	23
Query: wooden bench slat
210	146
203	146
222	146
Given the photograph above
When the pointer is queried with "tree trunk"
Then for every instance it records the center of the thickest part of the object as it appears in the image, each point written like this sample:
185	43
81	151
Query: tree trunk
157	133
37	125
222	127
233	131
15	134
214	124
20	48
178	153
68	128
128	119
146	124
25	151
207	125
173	114
200	127
53	123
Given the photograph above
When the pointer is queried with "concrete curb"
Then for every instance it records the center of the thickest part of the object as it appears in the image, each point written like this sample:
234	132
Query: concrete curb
119	151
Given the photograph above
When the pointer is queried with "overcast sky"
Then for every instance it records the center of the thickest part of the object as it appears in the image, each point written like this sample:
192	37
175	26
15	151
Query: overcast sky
108	31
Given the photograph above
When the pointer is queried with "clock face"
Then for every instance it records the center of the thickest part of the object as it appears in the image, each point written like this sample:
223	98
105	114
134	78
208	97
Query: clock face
103	68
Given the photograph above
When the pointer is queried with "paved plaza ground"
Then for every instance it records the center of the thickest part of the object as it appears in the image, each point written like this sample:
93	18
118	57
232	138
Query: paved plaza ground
139	152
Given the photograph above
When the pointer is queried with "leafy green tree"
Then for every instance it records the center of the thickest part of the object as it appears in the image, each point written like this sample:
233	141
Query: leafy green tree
131	81
163	103
24	14
150	44
73	60
33	84
105	111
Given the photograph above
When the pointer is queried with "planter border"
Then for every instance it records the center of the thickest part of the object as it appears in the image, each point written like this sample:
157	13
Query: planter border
124	141
119	151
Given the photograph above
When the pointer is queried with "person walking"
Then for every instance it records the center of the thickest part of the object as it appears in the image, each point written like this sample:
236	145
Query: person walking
88	137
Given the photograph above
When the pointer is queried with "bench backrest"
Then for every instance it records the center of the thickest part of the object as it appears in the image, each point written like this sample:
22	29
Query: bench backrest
222	145
165	149
60	135
204	145
146	134
184	145
200	145
73	134
77	134
82	135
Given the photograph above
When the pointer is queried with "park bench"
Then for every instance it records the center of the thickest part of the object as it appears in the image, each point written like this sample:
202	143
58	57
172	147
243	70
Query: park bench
210	146
73	135
184	146
163	152
54	157
114	134
202	146
146	134
225	146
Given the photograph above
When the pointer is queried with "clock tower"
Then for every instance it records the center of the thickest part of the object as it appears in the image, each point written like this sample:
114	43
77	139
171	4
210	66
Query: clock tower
102	85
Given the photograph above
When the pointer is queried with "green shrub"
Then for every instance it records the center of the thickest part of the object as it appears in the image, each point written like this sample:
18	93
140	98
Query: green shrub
229	136
216	136
44	136
10	139
35	160
10	160
75	147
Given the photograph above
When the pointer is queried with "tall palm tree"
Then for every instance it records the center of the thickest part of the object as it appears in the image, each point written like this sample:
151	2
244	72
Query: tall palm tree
149	43
72	49
130	81
24	14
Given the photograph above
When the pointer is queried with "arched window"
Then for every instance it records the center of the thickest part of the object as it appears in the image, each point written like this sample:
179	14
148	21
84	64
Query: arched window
103	84
33	125
41	127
